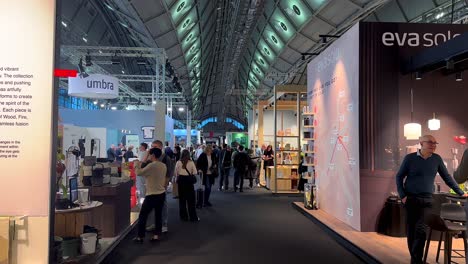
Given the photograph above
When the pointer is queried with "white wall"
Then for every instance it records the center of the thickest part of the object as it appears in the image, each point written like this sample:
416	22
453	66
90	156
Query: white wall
101	134
31	244
333	94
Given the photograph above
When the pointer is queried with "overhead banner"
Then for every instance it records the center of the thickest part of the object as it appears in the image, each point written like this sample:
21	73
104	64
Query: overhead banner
26	106
96	86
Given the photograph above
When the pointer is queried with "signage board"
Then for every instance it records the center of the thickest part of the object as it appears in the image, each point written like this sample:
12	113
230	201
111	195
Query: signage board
26	106
96	86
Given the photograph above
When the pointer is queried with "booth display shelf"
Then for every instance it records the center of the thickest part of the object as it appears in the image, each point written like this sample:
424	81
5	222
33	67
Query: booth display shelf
309	126
308	152
309	139
307	114
308	164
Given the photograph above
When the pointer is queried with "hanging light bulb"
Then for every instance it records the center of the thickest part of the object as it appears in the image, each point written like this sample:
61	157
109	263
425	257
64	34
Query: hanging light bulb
412	131
434	123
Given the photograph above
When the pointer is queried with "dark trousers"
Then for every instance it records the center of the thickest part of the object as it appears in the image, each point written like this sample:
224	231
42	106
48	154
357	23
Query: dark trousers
206	193
156	202
417	209
224	177
239	176
186	199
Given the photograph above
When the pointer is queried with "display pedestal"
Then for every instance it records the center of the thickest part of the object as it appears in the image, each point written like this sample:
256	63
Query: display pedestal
114	216
70	222
285	180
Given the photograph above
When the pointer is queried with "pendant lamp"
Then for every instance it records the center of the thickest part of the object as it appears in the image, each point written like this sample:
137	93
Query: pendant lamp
434	123
412	130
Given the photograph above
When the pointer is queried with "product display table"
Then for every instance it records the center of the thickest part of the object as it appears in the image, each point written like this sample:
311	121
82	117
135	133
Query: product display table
70	222
114	216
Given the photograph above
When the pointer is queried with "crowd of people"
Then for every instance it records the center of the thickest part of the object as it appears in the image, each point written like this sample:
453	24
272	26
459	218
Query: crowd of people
191	172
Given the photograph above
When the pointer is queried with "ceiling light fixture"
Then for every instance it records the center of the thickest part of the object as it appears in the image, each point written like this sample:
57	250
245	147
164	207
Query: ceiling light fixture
64	24
296	10
141	60
85	39
412	131
88	62
113	108
283	26
418	76
102	105
181	109
434	123
95	102
115	60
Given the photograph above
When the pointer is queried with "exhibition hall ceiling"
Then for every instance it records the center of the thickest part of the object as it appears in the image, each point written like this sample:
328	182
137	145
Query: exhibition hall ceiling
225	55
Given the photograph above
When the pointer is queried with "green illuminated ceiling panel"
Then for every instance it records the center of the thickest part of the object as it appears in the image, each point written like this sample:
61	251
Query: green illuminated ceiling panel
254	78
316	4
190	38
257	70
266	51
260	60
297	11
273	39
180	9
188	23
282	26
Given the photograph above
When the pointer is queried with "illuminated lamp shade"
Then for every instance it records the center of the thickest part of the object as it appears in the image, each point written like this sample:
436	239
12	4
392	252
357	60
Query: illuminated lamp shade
434	123
412	131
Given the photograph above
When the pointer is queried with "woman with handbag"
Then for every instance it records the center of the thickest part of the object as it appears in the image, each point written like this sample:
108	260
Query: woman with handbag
185	171
207	164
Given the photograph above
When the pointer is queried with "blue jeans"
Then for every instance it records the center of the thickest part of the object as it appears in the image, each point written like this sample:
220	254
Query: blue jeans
141	188
165	213
207	189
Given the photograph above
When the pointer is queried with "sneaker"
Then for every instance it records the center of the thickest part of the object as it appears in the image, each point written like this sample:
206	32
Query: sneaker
165	229
150	228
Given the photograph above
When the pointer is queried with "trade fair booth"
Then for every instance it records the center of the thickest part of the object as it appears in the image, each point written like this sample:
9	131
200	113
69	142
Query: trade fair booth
371	102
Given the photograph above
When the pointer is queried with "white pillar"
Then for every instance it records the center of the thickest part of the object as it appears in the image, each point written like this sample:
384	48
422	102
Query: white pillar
189	128
160	120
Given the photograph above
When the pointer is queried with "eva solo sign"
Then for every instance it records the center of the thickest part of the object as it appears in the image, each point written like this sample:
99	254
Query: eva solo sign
94	86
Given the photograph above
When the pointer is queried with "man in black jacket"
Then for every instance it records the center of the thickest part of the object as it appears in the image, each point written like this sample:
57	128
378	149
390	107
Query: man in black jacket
241	162
224	167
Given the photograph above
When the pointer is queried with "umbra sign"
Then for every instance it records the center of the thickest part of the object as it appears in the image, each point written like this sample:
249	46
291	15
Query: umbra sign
94	86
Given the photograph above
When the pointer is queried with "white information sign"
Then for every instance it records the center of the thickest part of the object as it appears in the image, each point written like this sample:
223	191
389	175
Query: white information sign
26	106
97	86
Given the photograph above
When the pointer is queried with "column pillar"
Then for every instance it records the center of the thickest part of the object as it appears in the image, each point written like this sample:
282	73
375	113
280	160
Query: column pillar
189	128
160	120
260	125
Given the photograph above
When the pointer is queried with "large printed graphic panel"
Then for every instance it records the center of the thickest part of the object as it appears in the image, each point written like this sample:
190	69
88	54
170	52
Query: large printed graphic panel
333	90
26	93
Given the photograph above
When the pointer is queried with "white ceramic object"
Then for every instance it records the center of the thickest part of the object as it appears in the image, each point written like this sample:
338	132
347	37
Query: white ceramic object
88	243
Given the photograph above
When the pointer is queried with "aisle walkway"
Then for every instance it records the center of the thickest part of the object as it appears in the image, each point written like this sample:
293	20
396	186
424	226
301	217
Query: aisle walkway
252	227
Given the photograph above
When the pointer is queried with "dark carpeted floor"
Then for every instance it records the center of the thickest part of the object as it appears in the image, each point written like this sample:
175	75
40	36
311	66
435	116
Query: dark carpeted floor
252	227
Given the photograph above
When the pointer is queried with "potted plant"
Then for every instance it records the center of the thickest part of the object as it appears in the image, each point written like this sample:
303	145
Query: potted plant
61	202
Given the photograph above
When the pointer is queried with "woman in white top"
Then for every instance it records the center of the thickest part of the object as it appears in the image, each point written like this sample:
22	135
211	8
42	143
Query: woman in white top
186	171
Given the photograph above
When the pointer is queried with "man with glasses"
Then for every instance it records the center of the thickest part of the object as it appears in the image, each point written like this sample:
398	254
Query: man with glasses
420	169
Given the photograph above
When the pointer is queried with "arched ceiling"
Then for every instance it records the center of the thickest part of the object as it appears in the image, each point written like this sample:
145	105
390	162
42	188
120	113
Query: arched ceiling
227	54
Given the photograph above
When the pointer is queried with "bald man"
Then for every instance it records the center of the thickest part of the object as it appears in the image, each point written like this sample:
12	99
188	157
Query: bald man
420	169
